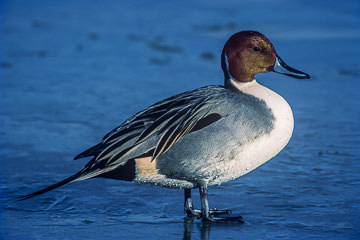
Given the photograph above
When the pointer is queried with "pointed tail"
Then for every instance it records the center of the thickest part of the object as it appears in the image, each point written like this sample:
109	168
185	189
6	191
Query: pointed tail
68	180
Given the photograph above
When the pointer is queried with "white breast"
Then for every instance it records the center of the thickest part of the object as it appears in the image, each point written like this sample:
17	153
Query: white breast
255	153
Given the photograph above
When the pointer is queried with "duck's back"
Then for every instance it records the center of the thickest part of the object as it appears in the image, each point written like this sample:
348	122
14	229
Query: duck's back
246	135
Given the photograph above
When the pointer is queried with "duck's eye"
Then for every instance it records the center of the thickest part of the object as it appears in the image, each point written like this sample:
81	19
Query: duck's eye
256	49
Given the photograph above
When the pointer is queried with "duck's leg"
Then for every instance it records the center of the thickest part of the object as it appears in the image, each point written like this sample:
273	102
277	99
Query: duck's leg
192	212
189	206
206	214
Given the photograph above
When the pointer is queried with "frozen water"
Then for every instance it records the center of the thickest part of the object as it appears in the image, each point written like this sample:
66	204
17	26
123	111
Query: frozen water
72	70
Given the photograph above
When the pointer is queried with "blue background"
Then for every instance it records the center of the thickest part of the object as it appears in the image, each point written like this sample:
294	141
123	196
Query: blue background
72	70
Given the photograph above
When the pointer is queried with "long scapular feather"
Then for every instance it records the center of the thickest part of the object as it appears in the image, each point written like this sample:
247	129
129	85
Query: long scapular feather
115	146
159	124
185	124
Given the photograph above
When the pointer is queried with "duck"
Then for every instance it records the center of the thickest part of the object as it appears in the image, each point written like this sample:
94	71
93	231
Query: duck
203	137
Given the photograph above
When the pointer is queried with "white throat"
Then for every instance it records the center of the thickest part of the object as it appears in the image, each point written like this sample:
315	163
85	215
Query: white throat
242	86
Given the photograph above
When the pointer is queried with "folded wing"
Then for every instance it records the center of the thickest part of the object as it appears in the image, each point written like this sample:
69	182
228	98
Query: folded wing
154	130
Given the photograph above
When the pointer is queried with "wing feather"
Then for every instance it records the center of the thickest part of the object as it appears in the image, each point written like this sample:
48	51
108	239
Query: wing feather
173	133
164	123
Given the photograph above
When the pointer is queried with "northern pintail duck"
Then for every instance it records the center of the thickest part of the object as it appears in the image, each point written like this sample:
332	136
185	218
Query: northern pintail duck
204	137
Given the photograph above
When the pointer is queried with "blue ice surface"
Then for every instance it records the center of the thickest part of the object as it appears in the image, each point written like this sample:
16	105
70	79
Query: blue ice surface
72	70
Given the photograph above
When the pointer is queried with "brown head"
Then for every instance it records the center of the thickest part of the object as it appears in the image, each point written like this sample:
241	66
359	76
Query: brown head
247	53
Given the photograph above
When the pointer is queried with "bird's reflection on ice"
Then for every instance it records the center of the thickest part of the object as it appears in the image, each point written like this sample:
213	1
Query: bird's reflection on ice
188	228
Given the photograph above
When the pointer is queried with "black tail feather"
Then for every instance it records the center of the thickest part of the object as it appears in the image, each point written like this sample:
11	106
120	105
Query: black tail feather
52	187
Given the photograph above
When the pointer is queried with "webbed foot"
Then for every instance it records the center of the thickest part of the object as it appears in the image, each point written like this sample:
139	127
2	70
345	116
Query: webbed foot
206	214
191	212
235	220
